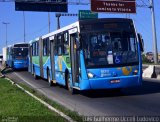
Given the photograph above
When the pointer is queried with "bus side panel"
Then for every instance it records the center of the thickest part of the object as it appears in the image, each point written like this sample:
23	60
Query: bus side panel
36	66
46	65
60	67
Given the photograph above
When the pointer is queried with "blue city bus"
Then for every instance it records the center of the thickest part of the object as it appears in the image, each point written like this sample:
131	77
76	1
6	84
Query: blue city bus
89	54
17	56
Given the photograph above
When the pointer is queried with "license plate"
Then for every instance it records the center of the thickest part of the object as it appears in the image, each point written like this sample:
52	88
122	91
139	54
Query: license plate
115	81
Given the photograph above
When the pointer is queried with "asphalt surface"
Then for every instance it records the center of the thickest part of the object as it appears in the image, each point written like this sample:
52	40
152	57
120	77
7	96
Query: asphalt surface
136	101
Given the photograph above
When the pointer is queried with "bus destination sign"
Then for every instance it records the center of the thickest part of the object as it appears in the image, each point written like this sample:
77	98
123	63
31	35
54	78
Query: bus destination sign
114	6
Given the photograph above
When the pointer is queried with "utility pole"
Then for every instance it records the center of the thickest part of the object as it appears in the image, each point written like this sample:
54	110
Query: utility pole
49	23
154	32
24	27
6	23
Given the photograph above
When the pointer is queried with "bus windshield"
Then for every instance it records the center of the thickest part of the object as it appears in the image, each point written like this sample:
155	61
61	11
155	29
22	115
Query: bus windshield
20	52
104	49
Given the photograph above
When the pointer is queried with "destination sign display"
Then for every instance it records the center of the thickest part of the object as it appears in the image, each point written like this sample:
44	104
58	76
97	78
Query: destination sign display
41	5
114	6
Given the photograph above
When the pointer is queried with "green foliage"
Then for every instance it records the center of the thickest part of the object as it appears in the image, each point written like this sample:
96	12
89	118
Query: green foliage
17	105
144	59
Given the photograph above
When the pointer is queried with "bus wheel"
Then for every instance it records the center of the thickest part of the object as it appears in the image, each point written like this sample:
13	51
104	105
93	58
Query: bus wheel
49	79
34	74
68	86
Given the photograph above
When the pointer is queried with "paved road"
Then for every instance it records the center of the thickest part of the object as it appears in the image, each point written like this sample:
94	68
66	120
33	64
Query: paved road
144	100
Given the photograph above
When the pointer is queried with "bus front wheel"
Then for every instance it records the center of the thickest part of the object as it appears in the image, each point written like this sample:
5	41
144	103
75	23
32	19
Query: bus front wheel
68	86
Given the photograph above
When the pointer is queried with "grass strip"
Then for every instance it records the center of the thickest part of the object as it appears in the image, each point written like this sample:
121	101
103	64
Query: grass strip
18	106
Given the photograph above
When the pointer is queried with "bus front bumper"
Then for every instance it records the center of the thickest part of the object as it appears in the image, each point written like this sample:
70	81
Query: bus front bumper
20	65
111	83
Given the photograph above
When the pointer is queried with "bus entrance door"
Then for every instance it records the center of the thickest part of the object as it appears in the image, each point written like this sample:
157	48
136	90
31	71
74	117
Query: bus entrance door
74	53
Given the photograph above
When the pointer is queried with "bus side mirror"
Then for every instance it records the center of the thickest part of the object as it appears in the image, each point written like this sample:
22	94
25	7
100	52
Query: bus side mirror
141	43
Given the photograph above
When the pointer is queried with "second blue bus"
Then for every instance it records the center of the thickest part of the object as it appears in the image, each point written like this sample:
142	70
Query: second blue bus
17	56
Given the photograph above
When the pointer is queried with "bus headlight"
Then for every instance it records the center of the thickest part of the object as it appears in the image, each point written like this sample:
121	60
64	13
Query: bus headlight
90	75
135	72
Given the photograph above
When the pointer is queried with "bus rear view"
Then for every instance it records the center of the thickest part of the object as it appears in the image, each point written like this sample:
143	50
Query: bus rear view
111	54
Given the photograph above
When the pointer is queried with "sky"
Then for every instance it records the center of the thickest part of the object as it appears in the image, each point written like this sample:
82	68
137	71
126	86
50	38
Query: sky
36	23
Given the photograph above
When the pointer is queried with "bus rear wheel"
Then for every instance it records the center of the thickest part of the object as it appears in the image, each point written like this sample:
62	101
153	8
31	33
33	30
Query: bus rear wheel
34	74
68	82
49	78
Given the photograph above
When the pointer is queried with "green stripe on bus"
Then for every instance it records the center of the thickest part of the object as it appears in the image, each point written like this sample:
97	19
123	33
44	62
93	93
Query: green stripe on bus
35	60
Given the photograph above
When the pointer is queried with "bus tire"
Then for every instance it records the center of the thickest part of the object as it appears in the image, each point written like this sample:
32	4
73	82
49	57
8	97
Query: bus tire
68	86
34	74
49	78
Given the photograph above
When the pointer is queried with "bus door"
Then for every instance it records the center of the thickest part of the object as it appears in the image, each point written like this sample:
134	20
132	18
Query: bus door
41	56
52	45
74	55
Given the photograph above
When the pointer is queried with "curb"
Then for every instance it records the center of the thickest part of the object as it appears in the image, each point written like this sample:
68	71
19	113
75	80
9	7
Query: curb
43	102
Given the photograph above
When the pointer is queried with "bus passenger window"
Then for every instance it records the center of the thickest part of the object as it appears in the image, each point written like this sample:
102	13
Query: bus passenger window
66	44
59	45
46	47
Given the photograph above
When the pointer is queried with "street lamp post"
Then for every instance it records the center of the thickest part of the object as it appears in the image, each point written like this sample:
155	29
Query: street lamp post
154	32
6	23
49	23
24	27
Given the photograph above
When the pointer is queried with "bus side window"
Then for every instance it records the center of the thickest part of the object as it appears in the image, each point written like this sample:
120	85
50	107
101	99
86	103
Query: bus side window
37	48
55	46
66	44
33	49
46	47
59	44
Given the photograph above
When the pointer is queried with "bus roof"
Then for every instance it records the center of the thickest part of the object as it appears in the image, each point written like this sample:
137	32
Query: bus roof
34	40
75	24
